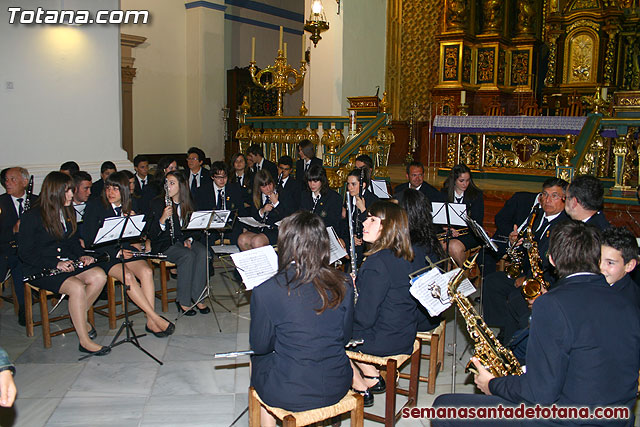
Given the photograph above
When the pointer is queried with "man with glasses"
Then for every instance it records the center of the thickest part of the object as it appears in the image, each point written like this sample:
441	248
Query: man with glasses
199	178
504	306
225	196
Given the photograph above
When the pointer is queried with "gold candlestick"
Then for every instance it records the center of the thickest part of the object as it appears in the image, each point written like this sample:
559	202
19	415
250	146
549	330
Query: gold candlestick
281	75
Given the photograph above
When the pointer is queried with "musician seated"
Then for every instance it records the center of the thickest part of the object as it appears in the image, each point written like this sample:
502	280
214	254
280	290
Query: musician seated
307	158
115	201
106	169
415	176
365	161
12	206
286	183
143	190
81	193
189	255
618	258
239	173
268	208
199	177
226	196
360	200
255	156
427	249
459	188
385	314
49	239
301	320
319	199
577	319
585	200
504	306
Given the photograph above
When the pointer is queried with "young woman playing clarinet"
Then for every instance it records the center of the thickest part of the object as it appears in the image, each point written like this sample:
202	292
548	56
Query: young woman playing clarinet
116	201
459	188
169	214
385	314
319	199
360	199
301	320
48	240
268	207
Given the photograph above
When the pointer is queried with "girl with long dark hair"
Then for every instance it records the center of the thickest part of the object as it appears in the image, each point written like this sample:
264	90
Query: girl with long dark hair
459	188
268	207
48	239
360	199
319	199
385	314
301	320
189	255
116	202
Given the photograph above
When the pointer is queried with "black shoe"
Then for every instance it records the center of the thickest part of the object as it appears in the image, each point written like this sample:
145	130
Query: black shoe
170	329
21	319
379	387
190	312
173	275
93	333
204	310
164	333
367	397
101	352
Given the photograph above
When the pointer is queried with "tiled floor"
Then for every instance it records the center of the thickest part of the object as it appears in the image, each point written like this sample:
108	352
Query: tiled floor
127	388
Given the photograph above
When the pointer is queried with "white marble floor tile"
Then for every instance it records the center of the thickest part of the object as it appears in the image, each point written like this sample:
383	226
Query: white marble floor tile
194	377
97	411
185	347
198	410
110	380
43	380
128	352
28	412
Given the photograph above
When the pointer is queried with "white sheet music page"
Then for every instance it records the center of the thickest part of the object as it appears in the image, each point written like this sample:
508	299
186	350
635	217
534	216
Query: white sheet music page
199	220
431	290
256	265
250	221
337	251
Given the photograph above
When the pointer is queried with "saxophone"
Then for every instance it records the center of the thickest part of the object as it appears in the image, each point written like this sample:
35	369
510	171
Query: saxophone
532	288
494	356
514	253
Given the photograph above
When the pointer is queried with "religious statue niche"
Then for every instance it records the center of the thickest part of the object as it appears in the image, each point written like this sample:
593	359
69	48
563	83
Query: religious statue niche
525	21
581	56
456	15
492	16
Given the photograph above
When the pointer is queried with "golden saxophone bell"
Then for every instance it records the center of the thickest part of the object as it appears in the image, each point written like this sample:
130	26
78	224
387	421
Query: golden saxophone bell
531	289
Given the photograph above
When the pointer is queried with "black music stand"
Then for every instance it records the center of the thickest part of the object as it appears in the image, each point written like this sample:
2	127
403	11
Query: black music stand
119	228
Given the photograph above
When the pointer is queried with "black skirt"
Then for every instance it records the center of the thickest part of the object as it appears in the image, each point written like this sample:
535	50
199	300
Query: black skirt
53	283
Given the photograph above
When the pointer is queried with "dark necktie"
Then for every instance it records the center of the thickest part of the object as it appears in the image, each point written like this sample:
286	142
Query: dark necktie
240	178
459	199
267	200
20	207
118	210
257	167
543	225
194	183
306	166
143	183
220	204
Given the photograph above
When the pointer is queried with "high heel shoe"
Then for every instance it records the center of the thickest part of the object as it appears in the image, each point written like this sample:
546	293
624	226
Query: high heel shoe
379	387
101	352
367	397
190	312
204	310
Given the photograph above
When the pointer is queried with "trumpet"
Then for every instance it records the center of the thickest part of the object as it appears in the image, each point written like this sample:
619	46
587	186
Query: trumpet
461	232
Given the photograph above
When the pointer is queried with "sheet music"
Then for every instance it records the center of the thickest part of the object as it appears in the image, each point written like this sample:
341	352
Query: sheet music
219	219
256	265
225	249
431	290
199	220
457	213
250	221
112	227
337	251
379	187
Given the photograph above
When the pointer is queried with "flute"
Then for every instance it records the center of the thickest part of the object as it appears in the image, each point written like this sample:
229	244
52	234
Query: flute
351	343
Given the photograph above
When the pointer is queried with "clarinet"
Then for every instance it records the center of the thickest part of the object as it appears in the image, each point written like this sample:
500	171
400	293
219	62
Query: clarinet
146	255
27	201
168	202
77	265
352	249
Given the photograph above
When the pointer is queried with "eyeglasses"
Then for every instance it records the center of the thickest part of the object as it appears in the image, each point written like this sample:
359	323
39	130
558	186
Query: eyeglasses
192	158
553	196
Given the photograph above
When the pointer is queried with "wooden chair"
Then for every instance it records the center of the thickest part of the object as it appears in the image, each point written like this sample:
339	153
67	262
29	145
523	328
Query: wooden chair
574	107
45	320
164	277
112	303
352	402
392	365
435	339
494	108
13	299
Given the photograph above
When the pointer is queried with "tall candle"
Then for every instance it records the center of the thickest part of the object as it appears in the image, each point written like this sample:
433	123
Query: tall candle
285	51
253	49
280	45
604	93
304	41
463	97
